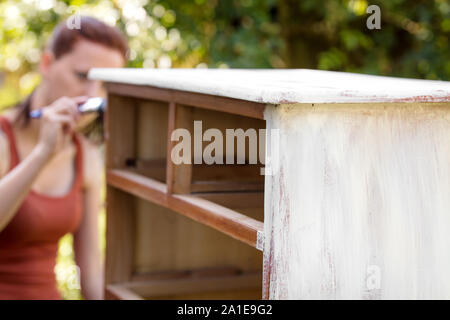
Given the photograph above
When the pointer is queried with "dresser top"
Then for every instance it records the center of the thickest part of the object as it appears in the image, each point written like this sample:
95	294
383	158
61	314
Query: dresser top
283	86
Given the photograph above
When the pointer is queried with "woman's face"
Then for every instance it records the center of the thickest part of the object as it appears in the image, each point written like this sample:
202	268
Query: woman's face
67	76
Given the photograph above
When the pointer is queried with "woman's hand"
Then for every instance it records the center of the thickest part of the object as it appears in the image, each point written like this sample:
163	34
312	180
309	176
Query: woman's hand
58	120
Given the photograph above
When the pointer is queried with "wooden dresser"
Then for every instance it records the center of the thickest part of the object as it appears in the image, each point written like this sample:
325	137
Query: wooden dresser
349	196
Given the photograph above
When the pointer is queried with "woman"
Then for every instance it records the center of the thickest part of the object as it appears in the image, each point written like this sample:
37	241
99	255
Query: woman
50	175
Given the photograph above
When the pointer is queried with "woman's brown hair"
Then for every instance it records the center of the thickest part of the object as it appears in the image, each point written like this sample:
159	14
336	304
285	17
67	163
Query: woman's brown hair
63	40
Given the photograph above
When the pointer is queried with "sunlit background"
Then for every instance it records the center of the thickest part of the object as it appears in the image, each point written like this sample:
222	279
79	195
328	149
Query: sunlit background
316	34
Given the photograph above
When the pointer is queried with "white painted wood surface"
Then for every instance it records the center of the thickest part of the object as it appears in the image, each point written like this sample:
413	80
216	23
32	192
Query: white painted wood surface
275	86
360	206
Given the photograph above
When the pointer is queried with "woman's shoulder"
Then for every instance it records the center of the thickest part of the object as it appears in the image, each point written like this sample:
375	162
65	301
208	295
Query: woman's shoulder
92	162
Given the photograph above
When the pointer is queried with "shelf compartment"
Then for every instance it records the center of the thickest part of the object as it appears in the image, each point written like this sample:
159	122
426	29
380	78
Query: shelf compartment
230	222
199	176
227	177
186	273
151	168
140	130
190	287
236	200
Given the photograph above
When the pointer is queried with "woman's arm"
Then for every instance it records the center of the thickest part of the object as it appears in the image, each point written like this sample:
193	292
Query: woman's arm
86	239
57	120
14	186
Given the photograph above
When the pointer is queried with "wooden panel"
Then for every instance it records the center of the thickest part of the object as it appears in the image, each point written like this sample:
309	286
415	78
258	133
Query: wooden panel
192	273
151	121
241	294
120	220
227	177
228	172
153	168
120	292
168	241
229	105
156	239
178	176
365	192
235	200
223	219
221	186
170	287
120	125
151	130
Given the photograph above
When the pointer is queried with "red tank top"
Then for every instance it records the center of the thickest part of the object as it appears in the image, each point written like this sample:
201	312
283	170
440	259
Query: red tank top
29	243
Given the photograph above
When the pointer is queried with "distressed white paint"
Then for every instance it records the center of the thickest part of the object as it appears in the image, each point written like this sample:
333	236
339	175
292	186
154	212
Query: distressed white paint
360	208
275	86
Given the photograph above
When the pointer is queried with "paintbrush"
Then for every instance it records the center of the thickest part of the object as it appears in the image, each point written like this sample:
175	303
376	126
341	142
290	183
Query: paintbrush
96	104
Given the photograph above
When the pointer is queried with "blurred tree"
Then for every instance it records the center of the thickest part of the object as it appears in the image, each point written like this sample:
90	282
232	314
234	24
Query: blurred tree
236	33
412	41
324	34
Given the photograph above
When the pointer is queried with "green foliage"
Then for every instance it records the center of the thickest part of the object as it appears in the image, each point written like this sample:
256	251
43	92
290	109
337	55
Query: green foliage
65	270
412	41
324	34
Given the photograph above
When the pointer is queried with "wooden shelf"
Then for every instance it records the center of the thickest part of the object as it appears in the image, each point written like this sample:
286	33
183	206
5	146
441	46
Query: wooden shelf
235	200
220	186
138	290
223	219
193	273
120	292
206	178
